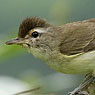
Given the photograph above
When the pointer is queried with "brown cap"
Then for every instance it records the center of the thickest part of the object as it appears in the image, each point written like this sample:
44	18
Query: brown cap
30	23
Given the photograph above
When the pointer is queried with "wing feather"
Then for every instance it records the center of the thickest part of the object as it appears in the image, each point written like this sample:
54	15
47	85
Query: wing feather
78	37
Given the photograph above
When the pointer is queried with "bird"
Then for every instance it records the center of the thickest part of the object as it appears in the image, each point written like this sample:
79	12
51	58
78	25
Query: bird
68	48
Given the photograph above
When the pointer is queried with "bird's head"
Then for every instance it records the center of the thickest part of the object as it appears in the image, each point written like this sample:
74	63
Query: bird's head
36	35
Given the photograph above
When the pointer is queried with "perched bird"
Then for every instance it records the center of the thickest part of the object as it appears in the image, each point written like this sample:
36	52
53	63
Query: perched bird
69	49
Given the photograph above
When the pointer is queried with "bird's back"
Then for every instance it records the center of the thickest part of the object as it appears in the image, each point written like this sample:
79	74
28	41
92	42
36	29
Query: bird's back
78	37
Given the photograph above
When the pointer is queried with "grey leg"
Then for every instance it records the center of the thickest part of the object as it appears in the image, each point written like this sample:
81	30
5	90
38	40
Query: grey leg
78	90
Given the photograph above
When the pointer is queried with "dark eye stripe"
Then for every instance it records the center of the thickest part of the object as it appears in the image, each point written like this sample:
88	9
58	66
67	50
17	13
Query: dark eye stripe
35	34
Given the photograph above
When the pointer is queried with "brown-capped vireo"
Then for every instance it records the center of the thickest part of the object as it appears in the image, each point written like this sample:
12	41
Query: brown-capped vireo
69	49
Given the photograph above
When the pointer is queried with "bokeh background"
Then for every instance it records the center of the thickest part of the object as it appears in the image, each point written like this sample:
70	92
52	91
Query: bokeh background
19	70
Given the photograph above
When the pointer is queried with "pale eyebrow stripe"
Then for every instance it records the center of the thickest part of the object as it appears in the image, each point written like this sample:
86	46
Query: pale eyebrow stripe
40	30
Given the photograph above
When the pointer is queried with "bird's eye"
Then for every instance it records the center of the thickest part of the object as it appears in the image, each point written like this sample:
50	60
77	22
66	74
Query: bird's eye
35	34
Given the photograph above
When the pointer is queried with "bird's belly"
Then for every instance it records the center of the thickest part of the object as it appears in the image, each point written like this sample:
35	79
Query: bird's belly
82	64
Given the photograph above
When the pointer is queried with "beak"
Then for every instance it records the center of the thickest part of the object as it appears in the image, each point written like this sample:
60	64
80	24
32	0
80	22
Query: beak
18	41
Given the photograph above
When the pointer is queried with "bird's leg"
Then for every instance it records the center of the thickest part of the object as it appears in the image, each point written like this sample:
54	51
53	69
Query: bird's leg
80	90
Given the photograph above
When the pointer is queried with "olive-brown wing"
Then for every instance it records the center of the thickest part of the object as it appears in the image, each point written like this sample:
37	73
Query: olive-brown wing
78	37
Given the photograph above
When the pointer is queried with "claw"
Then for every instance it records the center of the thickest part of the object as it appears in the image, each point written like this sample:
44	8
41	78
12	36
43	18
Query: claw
78	93
74	92
83	93
79	90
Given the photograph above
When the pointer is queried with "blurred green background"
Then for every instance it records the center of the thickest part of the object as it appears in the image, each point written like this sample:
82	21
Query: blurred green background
16	62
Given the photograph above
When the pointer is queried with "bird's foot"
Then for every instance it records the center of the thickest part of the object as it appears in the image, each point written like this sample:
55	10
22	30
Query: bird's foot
80	89
75	92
